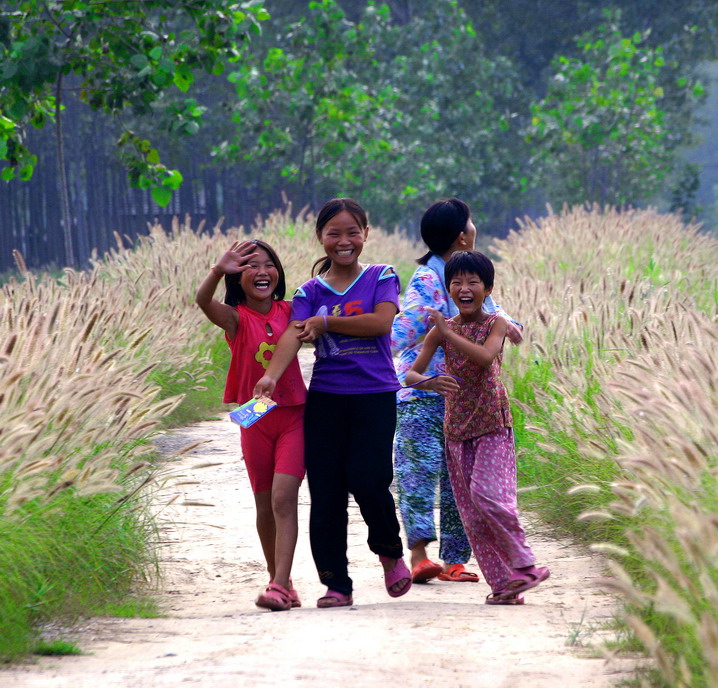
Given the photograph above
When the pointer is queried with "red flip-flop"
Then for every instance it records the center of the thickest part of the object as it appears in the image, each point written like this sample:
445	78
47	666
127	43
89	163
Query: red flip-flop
459	574
424	571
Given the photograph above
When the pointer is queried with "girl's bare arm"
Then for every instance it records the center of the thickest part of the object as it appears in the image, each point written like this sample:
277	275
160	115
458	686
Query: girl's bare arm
219	313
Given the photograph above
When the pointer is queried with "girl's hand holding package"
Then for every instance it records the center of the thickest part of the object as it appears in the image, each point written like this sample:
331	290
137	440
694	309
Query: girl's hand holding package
264	387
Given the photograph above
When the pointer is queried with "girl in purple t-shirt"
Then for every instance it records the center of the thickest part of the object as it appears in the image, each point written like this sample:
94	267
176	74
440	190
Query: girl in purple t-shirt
347	311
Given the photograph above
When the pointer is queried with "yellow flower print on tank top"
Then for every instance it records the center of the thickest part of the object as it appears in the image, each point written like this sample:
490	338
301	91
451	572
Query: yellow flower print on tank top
260	356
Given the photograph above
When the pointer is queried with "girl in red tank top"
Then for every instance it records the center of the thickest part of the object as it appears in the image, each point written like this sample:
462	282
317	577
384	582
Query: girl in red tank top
253	316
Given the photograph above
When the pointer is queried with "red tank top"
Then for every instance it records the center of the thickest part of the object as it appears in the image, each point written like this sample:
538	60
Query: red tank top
252	347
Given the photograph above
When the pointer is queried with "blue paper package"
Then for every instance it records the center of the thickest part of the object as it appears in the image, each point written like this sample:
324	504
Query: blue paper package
250	412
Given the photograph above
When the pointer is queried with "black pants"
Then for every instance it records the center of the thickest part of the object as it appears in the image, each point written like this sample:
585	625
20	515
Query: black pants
348	441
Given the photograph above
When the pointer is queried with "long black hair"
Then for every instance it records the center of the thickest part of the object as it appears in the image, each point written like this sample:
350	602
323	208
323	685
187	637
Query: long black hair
328	211
235	294
441	224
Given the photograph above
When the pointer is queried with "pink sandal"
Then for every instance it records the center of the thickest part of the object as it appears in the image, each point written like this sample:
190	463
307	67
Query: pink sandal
332	599
275	597
521	581
497	598
396	575
294	598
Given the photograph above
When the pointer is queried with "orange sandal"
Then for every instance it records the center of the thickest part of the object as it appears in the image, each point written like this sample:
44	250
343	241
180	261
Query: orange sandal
458	574
424	571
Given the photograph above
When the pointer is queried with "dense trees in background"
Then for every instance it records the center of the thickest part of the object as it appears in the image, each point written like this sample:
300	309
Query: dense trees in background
114	57
507	103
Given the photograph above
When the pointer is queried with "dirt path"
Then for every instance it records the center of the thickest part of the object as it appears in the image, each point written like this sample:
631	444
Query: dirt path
214	636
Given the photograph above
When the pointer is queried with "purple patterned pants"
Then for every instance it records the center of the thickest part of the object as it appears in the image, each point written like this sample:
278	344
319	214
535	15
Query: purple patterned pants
483	478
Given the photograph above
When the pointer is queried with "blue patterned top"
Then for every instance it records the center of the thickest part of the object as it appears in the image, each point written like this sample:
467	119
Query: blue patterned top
426	288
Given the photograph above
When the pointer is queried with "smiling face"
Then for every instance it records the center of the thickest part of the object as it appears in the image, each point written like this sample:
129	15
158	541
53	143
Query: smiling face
260	280
468	292
343	239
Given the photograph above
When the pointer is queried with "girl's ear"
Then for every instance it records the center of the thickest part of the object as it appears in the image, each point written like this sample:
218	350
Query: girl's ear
462	241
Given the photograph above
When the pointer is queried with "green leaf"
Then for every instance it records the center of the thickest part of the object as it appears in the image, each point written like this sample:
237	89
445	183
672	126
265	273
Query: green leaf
183	78
173	180
8	173
161	195
139	61
25	172
153	157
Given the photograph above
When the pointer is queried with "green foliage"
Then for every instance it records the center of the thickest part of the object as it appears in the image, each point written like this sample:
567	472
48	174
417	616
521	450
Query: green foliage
133	608
304	103
65	560
56	648
394	114
120	56
197	402
604	132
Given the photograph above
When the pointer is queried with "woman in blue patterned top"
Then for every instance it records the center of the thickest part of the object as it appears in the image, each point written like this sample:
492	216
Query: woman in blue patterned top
419	457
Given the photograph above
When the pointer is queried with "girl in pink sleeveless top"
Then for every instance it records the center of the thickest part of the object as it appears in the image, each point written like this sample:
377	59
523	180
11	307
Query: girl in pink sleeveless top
480	452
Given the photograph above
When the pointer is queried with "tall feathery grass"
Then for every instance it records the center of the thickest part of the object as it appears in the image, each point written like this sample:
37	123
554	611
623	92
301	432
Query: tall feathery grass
92	364
616	391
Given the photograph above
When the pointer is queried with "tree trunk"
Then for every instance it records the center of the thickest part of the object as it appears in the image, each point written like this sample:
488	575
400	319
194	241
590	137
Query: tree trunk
62	178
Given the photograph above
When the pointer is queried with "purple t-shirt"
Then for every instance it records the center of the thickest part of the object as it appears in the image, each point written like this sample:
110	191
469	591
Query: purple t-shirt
345	364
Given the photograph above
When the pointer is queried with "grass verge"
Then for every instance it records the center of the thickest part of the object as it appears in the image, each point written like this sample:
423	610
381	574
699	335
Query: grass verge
65	560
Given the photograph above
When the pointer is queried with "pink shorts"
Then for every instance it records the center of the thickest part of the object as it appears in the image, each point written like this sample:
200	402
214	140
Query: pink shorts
274	444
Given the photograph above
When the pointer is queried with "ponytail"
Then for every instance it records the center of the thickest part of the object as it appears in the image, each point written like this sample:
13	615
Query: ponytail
321	265
441	225
425	258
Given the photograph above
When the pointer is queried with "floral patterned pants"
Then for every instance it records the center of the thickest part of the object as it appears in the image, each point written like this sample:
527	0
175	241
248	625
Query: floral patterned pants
420	465
483	476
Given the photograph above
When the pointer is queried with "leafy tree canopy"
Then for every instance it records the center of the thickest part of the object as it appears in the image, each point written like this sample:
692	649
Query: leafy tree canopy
607	131
119	56
397	115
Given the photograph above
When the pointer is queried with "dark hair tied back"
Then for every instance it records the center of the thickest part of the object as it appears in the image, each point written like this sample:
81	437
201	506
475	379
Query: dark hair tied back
441	224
